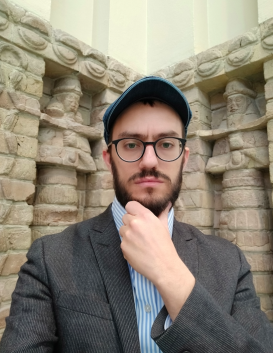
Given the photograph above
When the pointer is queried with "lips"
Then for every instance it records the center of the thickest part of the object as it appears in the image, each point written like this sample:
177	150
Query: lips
148	181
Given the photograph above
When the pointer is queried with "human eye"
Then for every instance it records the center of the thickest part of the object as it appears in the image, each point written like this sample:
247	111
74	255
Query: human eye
166	144
131	144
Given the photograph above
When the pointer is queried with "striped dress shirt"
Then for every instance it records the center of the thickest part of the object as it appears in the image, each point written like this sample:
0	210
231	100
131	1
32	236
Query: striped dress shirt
148	301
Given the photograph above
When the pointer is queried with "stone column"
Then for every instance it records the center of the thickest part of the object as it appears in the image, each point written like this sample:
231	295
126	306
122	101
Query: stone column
20	88
64	157
246	220
242	157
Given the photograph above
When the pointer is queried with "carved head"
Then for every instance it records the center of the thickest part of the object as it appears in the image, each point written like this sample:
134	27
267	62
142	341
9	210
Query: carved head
239	96
68	91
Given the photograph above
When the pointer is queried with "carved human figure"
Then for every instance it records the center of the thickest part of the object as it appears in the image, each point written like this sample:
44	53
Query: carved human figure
58	135
239	150
241	106
65	101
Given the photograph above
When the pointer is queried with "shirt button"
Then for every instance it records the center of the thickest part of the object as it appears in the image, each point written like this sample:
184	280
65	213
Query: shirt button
148	308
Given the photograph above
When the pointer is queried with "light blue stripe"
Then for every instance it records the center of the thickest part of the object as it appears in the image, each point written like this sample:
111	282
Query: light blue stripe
144	292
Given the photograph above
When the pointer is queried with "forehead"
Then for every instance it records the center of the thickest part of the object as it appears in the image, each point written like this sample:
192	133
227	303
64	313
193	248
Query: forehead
148	120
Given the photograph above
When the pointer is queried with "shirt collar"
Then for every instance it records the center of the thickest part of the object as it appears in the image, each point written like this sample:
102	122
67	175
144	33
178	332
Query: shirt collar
119	211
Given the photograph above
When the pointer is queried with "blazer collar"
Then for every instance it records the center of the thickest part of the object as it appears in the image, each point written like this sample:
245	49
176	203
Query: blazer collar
115	273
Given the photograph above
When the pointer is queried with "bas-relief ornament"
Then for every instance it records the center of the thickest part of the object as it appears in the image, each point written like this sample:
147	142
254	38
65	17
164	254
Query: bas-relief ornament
183	73
239	150
267	34
117	74
94	69
4	23
13	55
209	62
68	56
241	49
32	39
37	23
94	62
60	138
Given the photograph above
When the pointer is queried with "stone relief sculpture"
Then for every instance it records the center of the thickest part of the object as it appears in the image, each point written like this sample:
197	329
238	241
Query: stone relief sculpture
62	137
239	149
241	156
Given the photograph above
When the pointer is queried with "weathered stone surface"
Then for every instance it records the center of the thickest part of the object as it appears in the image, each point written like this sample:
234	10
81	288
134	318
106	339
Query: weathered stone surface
97	115
251	219
26	126
3	258
24	169
198	146
91	212
27	146
4	312
197	218
3	241
197	199
48	176
13	263
18	238
260	261
268	70
6	164
196	163
100	164
81	181
269	89
54	215
244	198
19	214
218	206
99	181
16	190
254	240
40	231
263	283
99	197
196	181
8	288
62	195
105	97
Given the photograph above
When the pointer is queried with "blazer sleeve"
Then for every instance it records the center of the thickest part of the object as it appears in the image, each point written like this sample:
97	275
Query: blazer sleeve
31	326
202	326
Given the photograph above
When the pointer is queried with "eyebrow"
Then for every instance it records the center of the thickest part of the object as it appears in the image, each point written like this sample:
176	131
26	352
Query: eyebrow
170	133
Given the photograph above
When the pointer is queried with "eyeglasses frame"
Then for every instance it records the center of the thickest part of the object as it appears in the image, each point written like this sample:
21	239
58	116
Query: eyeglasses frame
153	143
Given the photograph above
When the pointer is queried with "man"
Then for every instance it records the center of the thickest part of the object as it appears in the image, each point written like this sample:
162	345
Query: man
109	283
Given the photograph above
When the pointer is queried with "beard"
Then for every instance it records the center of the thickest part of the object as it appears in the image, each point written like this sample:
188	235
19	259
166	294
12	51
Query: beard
155	205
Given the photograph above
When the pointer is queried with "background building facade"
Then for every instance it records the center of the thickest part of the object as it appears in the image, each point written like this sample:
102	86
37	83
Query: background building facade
55	85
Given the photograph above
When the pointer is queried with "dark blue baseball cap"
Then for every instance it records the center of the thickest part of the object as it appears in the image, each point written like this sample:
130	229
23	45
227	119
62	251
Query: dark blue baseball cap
150	87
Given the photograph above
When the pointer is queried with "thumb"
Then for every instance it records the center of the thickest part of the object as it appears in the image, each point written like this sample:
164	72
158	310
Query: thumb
163	217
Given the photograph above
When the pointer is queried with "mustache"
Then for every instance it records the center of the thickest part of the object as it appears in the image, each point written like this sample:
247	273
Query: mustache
149	173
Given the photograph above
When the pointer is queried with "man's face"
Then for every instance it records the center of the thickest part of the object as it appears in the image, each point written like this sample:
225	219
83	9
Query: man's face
150	181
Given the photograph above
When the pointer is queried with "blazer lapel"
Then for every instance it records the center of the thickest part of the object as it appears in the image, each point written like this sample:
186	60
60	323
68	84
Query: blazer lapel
186	246
115	273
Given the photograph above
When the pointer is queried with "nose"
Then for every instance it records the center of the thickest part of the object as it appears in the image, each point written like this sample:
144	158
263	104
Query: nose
149	160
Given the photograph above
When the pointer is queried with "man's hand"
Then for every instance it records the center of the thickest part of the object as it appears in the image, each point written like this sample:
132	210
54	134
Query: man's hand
147	246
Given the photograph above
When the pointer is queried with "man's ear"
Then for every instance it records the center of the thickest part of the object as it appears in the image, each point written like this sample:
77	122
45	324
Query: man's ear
107	160
186	154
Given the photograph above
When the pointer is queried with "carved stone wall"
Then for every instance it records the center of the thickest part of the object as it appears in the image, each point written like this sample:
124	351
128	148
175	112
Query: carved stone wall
54	91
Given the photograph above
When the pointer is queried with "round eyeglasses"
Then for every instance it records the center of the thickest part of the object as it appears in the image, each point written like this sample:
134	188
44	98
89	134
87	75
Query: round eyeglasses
167	149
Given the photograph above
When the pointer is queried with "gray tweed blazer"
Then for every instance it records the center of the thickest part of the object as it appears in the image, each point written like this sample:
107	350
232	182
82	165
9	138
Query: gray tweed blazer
74	295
